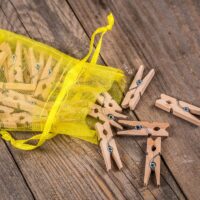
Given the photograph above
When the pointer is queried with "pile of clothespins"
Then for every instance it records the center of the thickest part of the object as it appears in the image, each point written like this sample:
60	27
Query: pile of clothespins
24	90
110	113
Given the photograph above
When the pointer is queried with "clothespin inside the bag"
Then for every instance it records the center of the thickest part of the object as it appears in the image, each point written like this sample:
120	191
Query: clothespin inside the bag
25	87
15	68
108	145
34	66
21	102
138	128
152	159
11	119
23	97
107	115
106	101
5	51
178	108
15	120
137	88
47	79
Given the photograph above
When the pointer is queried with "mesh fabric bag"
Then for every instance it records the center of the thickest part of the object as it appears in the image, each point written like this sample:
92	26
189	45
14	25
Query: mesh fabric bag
48	92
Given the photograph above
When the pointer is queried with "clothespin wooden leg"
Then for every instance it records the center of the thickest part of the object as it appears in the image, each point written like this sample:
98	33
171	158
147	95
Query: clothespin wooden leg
106	154
157	171
104	145
147	171
108	145
153	159
115	154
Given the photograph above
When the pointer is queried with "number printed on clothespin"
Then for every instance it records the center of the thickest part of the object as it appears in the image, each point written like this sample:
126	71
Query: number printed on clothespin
108	145
137	88
178	108
138	128
152	159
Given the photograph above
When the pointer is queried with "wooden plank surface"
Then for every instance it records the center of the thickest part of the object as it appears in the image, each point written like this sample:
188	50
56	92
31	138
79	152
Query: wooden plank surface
165	36
68	168
12	183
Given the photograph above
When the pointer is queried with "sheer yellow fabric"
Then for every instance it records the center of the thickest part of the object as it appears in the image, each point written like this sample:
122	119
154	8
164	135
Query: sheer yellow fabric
50	92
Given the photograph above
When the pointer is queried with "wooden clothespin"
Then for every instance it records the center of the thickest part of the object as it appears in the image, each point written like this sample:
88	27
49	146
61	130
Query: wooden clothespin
107	115
11	119
15	120
25	87
138	128
34	65
106	100
4	52
23	97
108	145
178	108
6	64
154	129
21	102
16	71
47	79
137	88
152	159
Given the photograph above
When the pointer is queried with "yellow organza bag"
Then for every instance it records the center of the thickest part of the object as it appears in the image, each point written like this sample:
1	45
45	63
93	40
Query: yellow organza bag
43	90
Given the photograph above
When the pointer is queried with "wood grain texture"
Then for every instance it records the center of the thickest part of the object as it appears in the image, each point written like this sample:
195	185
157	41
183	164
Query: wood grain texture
12	184
67	168
165	36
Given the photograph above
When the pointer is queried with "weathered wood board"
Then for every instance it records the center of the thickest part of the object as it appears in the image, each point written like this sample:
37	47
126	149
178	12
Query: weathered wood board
12	182
66	168
164	35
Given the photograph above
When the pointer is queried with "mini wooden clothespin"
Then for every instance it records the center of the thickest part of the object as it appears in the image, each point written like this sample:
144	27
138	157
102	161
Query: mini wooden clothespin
47	79
154	129
34	66
105	100
138	128
137	88
15	69
4	53
152	159
20	102
107	115
108	145
178	108
11	119
108	110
